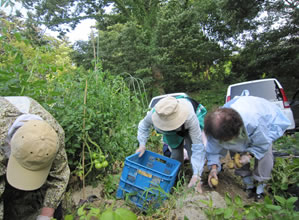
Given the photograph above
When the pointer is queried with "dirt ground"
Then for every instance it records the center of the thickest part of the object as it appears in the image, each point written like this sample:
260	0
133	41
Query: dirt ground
190	205
187	205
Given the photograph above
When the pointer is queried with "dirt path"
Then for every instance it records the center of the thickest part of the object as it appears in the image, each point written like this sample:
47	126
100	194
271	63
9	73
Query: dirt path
191	206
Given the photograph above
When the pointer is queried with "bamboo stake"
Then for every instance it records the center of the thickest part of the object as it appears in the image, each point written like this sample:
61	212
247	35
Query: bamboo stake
94	51
83	147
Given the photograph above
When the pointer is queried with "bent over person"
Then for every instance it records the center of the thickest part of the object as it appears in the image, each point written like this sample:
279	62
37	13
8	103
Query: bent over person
247	125
34	170
177	121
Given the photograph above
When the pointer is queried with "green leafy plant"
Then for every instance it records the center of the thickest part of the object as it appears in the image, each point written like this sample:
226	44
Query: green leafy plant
118	214
280	208
236	209
153	198
98	111
232	211
210	211
285	207
111	184
285	177
89	212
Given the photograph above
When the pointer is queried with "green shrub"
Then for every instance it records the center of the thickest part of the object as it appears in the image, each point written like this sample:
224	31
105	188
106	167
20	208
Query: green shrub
279	208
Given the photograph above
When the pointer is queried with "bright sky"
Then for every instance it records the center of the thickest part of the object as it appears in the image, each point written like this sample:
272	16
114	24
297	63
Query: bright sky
81	32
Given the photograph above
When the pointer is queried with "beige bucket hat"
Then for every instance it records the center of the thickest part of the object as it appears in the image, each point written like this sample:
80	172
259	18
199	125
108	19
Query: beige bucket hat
169	114
33	149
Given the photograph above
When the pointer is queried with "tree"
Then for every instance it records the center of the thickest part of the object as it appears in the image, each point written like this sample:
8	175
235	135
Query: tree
274	51
184	52
175	47
27	68
54	13
163	41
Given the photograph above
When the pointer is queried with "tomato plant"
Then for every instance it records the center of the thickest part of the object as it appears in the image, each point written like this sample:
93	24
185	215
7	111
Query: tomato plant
105	163
98	166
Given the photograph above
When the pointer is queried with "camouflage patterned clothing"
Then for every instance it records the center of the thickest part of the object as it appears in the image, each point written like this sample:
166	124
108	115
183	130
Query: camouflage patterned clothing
18	204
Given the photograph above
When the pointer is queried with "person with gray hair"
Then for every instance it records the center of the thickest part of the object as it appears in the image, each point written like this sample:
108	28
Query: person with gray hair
247	125
176	119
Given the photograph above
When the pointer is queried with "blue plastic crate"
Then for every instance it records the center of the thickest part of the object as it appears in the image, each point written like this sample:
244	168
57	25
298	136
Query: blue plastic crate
150	171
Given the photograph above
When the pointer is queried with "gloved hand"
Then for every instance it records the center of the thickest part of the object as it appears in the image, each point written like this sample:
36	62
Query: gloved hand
195	182
212	174
141	150
245	159
42	217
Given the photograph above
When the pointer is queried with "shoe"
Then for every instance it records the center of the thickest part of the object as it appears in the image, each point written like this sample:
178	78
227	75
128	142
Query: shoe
259	197
250	193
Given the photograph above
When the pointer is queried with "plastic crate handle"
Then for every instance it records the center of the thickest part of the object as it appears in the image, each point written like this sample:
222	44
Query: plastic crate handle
161	160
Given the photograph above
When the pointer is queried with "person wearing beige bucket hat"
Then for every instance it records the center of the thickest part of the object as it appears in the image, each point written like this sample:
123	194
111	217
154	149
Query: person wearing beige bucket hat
35	165
176	119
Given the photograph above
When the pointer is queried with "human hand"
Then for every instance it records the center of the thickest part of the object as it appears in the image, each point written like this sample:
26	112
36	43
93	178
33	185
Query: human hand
212	174
245	159
42	217
45	213
140	150
195	182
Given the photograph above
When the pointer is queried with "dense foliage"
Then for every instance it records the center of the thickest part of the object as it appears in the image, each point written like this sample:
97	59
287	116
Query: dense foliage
95	109
180	41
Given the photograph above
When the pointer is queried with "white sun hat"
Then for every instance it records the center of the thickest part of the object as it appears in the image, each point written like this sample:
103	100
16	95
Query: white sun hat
170	113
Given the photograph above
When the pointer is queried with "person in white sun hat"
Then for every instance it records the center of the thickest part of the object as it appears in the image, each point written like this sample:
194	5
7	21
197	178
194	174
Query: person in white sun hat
176	119
33	163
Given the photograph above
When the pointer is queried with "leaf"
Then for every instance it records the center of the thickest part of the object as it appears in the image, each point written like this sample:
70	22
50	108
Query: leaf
94	212
273	207
4	30
291	201
125	214
267	200
284	186
18	36
204	202
280	199
68	217
219	211
81	211
238	201
228	199
108	215
18	59
251	215
228	213
258	213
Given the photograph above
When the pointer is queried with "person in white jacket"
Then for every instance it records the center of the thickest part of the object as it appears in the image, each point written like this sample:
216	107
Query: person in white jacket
248	125
178	122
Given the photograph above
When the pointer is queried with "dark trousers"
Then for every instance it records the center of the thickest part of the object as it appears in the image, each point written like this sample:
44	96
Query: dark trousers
24	205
